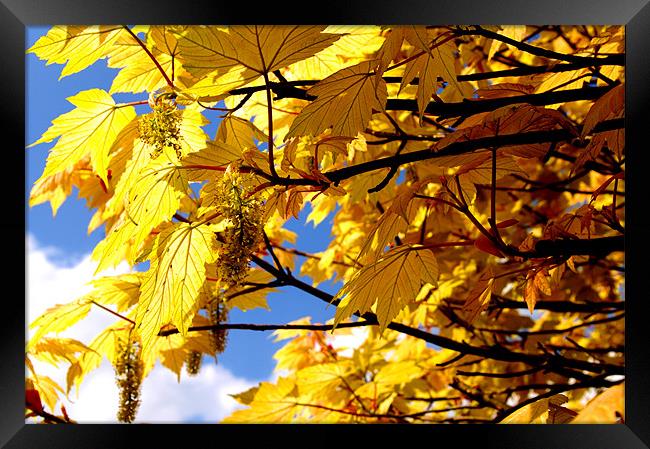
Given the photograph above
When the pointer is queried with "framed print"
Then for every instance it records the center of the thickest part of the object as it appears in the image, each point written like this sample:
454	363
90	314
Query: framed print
414	213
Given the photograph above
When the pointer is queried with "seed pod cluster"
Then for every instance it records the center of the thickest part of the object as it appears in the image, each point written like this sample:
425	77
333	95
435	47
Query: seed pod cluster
244	234
128	375
161	127
193	363
218	314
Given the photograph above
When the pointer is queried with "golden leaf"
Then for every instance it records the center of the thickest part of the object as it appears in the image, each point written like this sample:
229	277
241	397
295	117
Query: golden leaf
345	102
392	283
171	287
76	46
91	128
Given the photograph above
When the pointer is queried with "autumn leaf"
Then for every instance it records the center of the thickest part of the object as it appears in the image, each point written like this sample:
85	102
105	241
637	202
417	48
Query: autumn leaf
138	72
90	129
231	59
76	46
512	119
437	60
170	289
402	198
58	318
272	404
392	282
533	412
344	102
479	296
606	408
156	193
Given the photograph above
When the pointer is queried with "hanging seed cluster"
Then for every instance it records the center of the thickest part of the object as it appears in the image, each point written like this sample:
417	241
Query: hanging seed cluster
128	375
218	314
161	127
243	236
193	363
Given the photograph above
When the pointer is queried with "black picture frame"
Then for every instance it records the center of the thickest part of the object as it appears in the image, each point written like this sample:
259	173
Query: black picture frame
16	15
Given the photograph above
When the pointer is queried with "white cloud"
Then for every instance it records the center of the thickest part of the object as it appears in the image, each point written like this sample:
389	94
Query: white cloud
53	280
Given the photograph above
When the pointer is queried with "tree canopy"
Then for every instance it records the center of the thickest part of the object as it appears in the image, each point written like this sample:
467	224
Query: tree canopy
474	176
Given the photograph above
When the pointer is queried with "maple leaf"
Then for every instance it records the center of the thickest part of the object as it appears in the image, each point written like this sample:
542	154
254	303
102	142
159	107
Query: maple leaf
479	296
138	71
392	282
512	119
155	195
58	318
76	46
91	128
533	412
170	290
272	404
344	102
227	60
437	60
606	408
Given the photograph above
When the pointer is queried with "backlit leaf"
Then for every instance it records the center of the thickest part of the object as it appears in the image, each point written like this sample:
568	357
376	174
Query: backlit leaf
171	287
392	282
91	129
345	102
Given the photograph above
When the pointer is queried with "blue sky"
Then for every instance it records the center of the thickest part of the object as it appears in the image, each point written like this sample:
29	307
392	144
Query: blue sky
59	246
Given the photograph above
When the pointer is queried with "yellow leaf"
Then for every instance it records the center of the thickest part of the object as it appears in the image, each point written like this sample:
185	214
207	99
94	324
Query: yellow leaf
91	128
390	48
55	189
398	373
479	296
531	412
572	79
122	291
530	291
318	380
265	48
345	102
356	43
239	133
76	46
131	155
138	71
542	283
394	220
514	32
116	245
171	287
201	165
246	397
172	353
56	350
392	282
610	105
48	390
273	403
156	194
606	408
59	318
229	59
103	345
248	297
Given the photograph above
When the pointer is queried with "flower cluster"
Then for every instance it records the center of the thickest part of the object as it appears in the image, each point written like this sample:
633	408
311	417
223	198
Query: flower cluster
218	314
128	375
161	127
193	363
244	233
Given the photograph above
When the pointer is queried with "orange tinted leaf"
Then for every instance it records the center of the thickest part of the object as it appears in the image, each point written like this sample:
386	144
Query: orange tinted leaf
479	296
484	244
